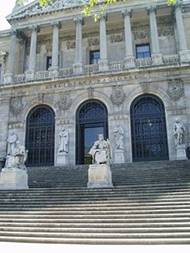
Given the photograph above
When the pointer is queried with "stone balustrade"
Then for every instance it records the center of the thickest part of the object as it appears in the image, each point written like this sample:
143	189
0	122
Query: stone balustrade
168	60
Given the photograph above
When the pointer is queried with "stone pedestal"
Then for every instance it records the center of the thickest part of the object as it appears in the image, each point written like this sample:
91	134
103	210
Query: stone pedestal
184	56
29	75
157	59
13	179
129	62
77	68
181	152
119	156
54	73
8	78
62	159
99	176
103	65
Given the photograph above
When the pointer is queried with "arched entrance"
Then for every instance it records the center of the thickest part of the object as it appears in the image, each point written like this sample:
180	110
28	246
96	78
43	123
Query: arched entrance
40	130
91	120
148	129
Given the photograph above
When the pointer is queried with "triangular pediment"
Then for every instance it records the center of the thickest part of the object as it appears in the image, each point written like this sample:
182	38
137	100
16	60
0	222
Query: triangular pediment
34	8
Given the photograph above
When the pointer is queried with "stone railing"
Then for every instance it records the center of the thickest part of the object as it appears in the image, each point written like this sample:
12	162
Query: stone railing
93	69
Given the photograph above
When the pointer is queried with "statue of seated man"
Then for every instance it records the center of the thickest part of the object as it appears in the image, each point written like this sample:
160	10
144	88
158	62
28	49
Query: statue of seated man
101	151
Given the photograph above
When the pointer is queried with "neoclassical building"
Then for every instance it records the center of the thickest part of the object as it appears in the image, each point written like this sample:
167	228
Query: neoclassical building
62	70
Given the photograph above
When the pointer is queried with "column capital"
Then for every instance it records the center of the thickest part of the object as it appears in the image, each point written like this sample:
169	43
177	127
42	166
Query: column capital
56	24
34	28
178	5
13	32
104	17
78	20
151	9
127	12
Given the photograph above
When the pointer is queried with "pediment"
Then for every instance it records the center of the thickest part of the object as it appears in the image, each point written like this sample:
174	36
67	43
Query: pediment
34	8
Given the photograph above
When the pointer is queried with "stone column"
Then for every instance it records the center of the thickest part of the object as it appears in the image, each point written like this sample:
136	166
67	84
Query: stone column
103	62
32	58
55	50
129	56
155	47
8	77
184	53
77	67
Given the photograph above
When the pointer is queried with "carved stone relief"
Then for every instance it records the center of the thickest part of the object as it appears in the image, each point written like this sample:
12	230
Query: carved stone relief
64	102
70	44
116	38
175	89
118	96
16	105
93	42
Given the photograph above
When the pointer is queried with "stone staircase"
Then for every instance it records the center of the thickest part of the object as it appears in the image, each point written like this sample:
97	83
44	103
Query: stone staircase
153	211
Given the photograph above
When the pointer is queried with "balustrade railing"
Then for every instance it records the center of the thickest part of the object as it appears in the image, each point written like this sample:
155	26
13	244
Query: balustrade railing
93	69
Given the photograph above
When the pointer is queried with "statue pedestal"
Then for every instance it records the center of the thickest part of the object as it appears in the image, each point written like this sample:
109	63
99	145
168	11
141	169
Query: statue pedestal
99	176
119	156
181	152
13	179
62	158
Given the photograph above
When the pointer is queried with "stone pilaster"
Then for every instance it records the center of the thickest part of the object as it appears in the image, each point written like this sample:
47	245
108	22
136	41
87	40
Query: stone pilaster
8	77
103	62
129	55
55	50
77	67
32	58
155	47
184	53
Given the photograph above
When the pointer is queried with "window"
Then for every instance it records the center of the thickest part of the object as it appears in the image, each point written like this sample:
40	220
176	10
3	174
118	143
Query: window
48	62
94	56
143	51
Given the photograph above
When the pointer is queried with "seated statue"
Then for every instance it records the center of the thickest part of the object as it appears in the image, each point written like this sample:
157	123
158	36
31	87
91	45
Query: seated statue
101	151
18	155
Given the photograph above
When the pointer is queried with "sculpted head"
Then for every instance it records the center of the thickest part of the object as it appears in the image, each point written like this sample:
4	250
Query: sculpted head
100	137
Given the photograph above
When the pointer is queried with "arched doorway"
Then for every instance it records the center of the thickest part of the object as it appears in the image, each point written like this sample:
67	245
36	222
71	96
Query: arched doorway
91	120
148	129
40	130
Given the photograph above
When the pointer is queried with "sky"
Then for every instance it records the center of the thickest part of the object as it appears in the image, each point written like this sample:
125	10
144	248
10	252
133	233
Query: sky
6	7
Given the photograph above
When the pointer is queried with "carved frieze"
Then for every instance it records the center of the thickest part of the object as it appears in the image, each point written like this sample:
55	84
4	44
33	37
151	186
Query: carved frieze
64	102
116	38
175	89
93	42
118	95
16	105
70	44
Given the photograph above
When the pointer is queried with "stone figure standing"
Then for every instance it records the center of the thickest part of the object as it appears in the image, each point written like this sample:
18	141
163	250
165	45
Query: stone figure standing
63	141
119	137
101	151
11	143
179	132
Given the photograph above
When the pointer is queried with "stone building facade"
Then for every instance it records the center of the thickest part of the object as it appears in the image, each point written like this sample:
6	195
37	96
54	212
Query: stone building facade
129	71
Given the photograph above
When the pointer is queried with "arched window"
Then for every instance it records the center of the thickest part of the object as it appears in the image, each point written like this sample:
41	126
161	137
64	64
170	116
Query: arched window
148	129
91	120
40	130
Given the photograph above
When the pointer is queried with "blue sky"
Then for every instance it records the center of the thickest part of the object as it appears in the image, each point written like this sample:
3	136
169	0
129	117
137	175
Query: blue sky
5	8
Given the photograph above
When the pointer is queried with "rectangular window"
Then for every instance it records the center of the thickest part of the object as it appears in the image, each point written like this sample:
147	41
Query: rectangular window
94	56
143	51
48	62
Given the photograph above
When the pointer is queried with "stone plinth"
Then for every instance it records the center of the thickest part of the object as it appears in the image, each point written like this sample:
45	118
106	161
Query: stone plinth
181	152
99	176
62	159
13	179
119	156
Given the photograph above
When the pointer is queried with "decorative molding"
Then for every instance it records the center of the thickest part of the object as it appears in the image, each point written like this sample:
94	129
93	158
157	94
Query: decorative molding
116	38
118	96
64	102
175	89
70	44
16	105
93	41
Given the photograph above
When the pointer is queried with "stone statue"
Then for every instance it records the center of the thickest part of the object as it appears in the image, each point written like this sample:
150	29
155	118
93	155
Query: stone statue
63	141
119	138
179	132
101	151
11	144
16	154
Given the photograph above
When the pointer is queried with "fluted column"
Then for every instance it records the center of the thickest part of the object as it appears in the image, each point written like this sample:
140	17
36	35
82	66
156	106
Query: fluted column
77	67
103	62
129	55
184	53
8	77
155	47
32	57
55	50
